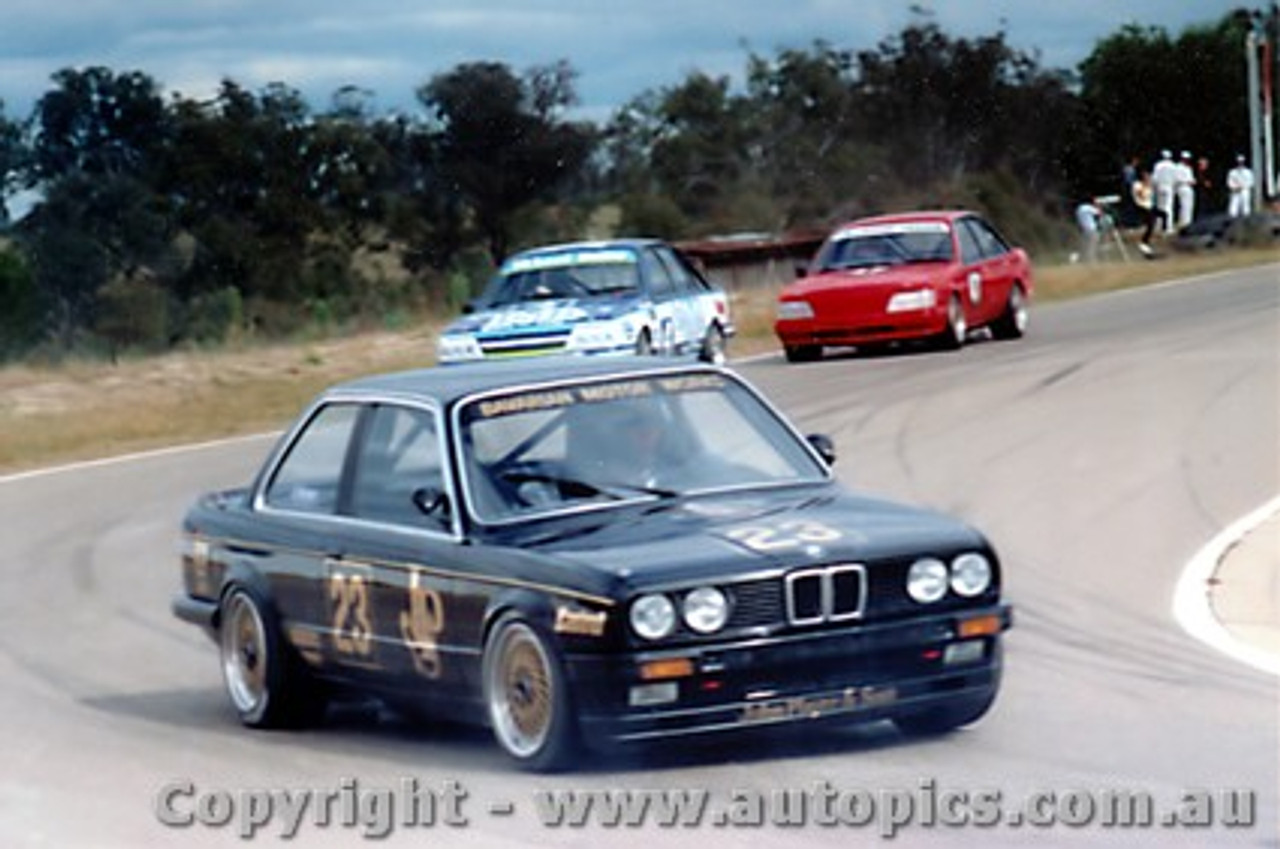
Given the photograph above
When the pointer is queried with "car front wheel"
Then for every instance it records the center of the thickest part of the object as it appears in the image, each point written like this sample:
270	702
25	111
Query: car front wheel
527	697
957	328
802	353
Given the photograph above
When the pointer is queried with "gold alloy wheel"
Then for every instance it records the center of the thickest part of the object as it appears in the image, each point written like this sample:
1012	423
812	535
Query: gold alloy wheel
521	690
244	654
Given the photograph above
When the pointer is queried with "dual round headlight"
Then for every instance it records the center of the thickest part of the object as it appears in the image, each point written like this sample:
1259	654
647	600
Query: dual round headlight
929	578
704	610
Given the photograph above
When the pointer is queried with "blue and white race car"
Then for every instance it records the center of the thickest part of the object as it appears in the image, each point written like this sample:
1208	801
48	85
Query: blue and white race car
627	296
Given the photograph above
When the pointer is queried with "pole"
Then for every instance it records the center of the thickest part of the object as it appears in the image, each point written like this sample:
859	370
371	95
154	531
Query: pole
1251	44
1268	125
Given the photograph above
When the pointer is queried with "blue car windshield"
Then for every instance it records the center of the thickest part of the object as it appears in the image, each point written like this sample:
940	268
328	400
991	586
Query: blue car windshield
573	279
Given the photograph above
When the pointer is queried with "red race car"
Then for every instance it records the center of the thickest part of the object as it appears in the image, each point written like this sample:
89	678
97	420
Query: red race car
919	275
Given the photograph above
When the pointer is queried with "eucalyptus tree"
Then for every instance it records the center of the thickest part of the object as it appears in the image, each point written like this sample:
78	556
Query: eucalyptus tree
502	140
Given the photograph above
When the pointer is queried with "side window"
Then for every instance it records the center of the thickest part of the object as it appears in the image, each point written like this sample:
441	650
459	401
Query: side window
661	286
970	250
687	281
307	480
398	467
992	244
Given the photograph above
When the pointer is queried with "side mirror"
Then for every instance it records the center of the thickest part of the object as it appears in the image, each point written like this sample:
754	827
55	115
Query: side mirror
824	446
469	306
802	269
432	501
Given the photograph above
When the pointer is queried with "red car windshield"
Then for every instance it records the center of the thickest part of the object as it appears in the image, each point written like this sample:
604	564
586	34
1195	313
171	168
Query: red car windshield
885	245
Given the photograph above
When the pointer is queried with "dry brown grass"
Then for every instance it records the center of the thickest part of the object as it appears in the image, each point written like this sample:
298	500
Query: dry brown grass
89	409
1055	283
84	410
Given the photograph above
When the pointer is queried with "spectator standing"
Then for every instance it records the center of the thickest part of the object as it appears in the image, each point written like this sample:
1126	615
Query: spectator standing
1240	189
1144	200
1163	178
1089	220
1206	186
1129	175
1185	190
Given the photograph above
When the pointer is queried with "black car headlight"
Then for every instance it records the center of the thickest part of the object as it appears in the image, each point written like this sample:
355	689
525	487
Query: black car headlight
927	580
705	610
653	616
970	575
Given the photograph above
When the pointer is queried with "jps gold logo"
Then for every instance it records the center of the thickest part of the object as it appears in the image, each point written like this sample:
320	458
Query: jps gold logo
421	625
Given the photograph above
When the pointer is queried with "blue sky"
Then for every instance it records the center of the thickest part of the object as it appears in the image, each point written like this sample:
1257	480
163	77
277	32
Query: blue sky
619	49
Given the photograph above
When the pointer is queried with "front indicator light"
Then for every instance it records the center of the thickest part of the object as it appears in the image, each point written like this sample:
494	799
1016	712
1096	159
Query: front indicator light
927	580
671	667
979	626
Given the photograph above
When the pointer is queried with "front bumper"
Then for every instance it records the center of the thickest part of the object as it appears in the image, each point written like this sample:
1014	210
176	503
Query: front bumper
858	673
862	330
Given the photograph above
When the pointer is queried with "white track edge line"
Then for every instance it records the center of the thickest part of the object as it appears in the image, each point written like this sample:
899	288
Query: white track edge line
133	457
1192	605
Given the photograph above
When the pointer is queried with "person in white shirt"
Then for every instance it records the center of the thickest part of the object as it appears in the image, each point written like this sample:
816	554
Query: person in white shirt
1089	220
1185	190
1240	189
1163	180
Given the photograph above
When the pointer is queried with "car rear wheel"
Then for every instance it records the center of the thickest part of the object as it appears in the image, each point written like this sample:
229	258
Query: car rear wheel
264	684
714	346
802	353
527	697
1013	321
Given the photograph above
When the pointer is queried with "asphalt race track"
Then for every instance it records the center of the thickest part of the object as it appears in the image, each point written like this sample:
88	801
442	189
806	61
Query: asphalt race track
1099	453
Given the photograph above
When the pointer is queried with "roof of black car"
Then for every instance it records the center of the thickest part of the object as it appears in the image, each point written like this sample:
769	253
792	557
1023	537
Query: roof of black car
446	384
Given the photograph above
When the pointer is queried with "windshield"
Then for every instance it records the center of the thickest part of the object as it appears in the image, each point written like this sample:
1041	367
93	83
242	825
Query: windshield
897	244
595	444
569	274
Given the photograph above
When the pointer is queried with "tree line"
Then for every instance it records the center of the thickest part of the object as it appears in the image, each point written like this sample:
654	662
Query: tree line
166	222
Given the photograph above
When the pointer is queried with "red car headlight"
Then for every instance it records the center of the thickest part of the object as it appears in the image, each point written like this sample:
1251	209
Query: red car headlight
917	299
793	310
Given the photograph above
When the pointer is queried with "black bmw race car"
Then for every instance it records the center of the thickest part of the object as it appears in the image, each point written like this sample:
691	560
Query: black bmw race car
584	552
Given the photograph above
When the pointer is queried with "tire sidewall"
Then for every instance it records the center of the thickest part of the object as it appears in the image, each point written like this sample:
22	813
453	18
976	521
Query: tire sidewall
957	323
262	713
561	739
714	346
